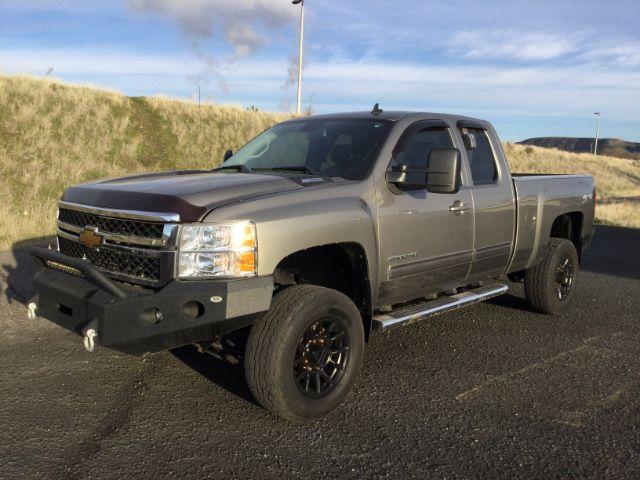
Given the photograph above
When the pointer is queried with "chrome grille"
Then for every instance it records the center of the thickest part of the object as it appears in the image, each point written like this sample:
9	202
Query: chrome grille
137	247
119	226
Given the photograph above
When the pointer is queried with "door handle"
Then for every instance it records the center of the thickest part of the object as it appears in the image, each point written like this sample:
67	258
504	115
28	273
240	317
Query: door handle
458	207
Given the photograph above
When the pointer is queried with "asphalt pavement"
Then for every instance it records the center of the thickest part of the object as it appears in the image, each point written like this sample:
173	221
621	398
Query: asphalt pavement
490	391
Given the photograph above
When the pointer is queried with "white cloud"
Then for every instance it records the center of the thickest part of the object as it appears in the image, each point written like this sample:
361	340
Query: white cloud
621	53
520	46
240	20
538	47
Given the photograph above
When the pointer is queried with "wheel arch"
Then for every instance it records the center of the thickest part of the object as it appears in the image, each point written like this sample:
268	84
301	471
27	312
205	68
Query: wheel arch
569	226
340	266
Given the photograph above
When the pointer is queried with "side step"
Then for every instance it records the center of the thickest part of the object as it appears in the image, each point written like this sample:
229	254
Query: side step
413	313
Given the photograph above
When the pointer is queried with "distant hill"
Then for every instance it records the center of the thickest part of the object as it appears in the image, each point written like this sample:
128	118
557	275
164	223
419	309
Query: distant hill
612	147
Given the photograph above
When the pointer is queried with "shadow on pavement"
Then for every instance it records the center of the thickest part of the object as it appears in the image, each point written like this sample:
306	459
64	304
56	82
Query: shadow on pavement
511	301
17	268
614	251
227	374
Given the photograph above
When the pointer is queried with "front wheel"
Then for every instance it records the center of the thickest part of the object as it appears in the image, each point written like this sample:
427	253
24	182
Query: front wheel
304	354
549	286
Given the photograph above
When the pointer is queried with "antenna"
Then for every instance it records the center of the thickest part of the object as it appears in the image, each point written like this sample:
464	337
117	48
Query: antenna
376	110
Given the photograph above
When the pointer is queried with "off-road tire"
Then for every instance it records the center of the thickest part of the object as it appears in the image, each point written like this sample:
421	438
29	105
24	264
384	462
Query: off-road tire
274	340
540	286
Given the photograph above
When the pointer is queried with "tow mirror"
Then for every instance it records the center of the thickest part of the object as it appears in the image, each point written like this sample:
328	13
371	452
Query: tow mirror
443	170
441	174
227	155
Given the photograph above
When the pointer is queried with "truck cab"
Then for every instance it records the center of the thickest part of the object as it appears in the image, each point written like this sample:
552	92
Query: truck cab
455	237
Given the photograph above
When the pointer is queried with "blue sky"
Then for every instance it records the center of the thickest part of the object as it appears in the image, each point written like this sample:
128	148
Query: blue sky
537	68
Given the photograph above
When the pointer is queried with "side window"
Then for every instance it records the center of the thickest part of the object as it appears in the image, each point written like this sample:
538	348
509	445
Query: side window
415	148
481	159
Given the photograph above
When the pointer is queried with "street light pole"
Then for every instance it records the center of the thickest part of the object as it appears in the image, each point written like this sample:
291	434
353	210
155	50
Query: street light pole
595	146
299	103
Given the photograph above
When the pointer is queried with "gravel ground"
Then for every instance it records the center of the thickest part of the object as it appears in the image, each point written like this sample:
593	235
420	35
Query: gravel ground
492	391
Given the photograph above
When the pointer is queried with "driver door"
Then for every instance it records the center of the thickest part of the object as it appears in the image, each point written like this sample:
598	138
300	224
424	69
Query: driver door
426	239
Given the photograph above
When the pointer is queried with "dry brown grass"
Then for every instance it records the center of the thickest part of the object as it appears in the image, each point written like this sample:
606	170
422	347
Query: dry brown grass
53	135
202	135
617	179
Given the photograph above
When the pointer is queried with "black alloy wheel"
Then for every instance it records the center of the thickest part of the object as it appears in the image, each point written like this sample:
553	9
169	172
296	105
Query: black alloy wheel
564	278
303	355
321	357
550	285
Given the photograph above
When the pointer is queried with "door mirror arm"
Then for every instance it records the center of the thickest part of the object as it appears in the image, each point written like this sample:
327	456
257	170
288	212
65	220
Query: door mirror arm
397	175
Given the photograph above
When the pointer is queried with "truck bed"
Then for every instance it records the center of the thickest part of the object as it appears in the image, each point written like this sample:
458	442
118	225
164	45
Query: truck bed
540	200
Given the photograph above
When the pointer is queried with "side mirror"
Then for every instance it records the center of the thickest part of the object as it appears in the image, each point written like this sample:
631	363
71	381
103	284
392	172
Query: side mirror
443	171
469	140
227	155
441	175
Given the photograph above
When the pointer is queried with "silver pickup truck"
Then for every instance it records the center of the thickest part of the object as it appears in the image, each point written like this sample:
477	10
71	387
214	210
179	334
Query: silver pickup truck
316	234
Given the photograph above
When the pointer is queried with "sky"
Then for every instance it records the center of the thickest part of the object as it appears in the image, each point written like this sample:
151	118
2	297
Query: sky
533	68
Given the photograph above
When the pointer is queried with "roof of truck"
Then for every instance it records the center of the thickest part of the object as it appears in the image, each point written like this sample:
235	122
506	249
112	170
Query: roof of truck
394	115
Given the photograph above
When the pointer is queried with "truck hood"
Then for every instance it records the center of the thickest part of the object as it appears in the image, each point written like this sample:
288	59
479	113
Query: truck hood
190	194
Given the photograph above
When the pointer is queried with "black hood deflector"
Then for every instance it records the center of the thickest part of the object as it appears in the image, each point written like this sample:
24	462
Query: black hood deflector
190	194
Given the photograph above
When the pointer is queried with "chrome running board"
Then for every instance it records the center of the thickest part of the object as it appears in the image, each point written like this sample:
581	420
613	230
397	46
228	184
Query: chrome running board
413	313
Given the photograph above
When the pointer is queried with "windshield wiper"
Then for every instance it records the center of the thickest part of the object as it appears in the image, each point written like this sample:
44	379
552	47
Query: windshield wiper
239	168
294	168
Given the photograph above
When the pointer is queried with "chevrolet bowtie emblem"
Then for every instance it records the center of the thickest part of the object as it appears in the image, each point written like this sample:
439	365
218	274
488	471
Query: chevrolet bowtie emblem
90	238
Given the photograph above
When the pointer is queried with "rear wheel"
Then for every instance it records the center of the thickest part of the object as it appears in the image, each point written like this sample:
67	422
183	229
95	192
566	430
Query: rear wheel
549	286
304	354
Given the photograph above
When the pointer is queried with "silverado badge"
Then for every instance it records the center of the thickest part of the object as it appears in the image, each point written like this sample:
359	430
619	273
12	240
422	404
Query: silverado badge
90	238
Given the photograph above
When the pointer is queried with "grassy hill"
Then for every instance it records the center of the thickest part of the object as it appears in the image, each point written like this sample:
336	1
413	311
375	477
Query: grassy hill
53	135
617	179
612	147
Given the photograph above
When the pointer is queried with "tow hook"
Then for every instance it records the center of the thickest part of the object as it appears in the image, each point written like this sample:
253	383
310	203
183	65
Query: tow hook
89	335
32	310
90	332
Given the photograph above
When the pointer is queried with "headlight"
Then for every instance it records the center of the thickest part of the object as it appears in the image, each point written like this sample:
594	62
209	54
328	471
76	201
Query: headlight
217	250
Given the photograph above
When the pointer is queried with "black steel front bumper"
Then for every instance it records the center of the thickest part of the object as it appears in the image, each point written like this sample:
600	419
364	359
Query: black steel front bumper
75	295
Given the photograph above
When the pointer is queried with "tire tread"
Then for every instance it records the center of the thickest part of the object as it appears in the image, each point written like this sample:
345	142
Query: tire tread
536	279
264	342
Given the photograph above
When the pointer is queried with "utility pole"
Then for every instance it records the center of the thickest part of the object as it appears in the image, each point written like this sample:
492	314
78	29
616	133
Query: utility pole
595	146
299	103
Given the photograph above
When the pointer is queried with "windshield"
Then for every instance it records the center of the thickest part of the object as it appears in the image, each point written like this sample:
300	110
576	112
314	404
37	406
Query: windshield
328	148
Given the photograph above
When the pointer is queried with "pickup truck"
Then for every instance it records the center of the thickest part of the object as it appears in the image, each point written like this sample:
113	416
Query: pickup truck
317	234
